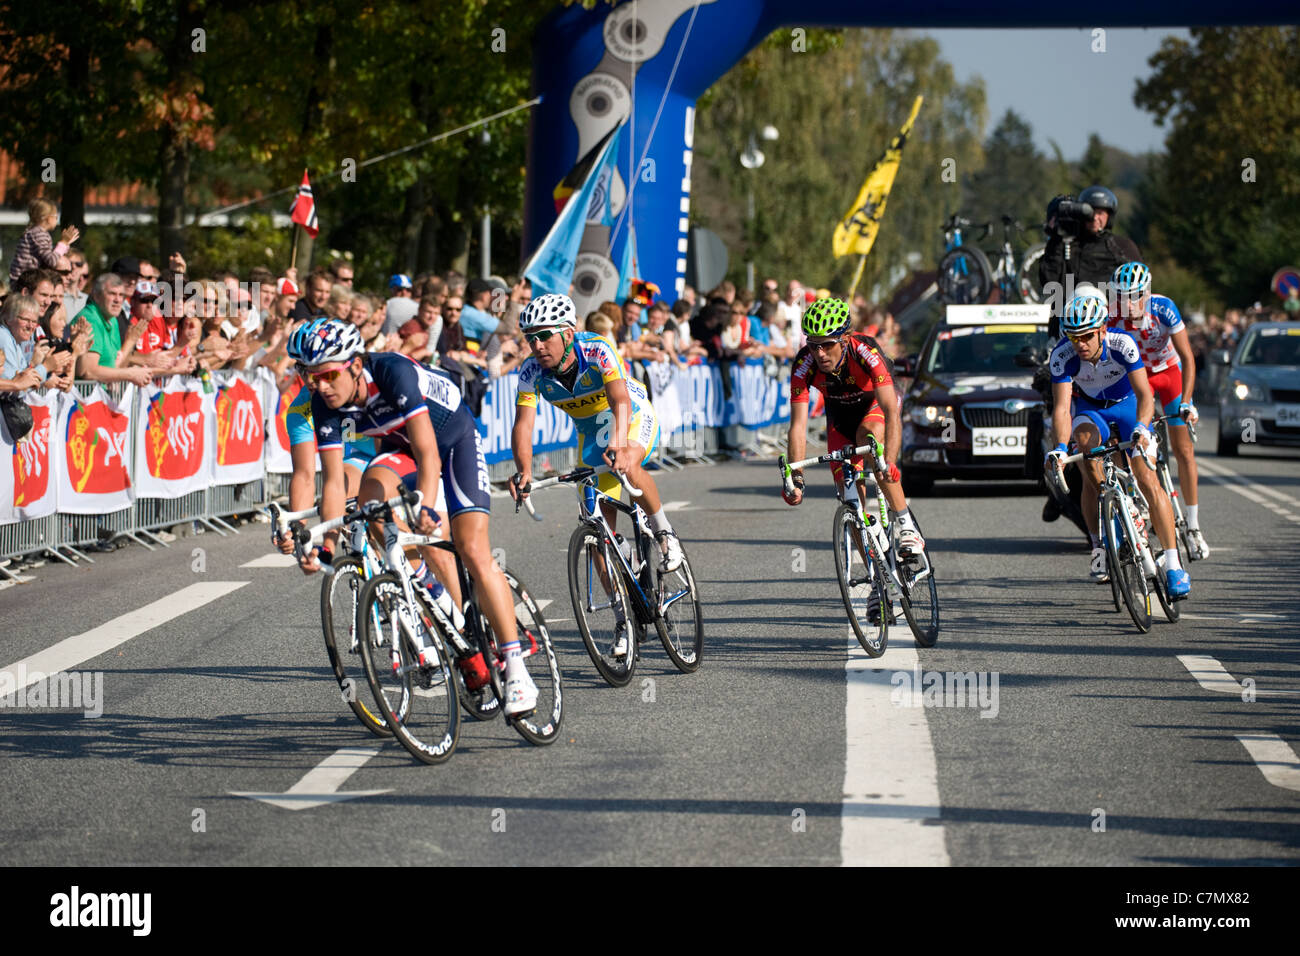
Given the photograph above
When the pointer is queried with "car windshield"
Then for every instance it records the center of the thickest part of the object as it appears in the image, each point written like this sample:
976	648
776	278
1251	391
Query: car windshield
988	350
1271	347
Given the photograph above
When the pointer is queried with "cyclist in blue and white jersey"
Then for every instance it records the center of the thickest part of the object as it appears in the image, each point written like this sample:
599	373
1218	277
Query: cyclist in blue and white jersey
1099	384
1157	327
429	438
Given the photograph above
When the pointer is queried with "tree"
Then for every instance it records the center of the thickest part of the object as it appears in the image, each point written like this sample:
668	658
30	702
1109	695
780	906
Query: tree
836	112
1015	178
1093	168
1226	194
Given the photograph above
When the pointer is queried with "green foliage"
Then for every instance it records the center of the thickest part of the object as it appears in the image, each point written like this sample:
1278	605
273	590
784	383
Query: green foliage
836	111
1014	180
254	242
1093	167
1229	96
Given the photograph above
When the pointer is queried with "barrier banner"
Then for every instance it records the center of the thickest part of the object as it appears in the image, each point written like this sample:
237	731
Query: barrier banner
662	377
92	442
27	488
552	429
239	431
276	406
172	454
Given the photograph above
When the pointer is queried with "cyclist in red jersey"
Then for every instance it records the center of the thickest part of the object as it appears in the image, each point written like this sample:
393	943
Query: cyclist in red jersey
853	376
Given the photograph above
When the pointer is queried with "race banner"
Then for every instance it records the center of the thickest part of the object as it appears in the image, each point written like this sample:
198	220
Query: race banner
27	486
239	433
92	441
277	404
662	377
552	429
172	454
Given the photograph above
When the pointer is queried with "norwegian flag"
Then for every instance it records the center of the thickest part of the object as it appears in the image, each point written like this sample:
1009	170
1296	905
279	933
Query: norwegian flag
303	210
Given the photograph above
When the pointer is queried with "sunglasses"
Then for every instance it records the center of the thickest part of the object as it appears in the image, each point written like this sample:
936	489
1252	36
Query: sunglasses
64	272
1083	337
823	346
328	375
543	336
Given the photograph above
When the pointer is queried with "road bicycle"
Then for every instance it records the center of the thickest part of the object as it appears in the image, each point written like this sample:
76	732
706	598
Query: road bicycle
966	277
1163	450
617	587
1134	571
410	642
870	571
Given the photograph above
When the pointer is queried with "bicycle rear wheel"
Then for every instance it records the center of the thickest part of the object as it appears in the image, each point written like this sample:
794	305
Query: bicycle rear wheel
681	625
859	578
1167	602
1031	290
920	598
601	605
542	726
1125	565
965	276
339	598
419	701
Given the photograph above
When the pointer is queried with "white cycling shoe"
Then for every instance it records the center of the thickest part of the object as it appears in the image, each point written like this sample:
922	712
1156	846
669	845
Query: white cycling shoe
1200	550
910	544
521	693
671	549
620	646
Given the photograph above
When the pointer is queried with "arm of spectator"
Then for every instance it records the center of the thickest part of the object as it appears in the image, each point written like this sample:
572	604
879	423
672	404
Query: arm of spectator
88	368
27	378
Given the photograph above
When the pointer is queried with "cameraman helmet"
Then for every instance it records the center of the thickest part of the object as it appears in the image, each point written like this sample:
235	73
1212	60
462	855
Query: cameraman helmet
1099	197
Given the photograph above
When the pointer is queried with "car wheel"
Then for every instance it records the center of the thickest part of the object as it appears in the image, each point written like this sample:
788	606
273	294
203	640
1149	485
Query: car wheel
917	484
1228	446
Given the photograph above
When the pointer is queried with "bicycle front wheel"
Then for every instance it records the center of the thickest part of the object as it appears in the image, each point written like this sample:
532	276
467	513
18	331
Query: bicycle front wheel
339	598
1125	565
542	726
681	625
920	597
859	579
418	699
601	605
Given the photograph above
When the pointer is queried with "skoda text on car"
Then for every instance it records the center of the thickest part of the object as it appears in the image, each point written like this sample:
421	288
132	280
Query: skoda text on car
1259	400
967	410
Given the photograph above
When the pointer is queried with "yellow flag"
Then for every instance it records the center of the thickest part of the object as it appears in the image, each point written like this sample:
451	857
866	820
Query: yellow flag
857	232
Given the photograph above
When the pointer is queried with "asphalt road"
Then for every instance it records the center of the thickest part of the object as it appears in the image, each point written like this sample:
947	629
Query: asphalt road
1097	745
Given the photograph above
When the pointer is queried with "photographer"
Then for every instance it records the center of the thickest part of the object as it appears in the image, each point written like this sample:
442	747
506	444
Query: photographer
1082	228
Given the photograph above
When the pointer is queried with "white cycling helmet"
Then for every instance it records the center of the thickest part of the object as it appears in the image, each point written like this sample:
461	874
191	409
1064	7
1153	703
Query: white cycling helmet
550	311
331	341
1083	314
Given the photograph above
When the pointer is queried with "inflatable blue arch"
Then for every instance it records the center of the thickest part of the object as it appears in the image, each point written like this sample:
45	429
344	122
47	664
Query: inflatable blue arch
643	64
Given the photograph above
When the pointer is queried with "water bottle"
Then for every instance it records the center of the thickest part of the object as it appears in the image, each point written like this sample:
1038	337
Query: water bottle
1138	523
442	597
625	548
205	380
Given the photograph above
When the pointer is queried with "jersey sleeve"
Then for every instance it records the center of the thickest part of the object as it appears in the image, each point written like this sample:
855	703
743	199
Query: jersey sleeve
873	361
1167	312
1126	351
298	421
803	364
328	425
600	353
526	397
398	380
1060	364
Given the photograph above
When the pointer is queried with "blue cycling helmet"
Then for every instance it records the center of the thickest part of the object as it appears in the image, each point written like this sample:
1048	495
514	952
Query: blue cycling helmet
331	340
1083	314
298	340
1132	279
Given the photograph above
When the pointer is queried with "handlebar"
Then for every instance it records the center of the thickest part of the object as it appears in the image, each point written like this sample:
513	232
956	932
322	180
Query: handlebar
304	537
577	475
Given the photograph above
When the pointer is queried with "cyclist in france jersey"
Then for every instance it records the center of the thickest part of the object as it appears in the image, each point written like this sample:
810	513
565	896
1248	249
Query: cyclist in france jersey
853	376
431	438
1156	325
1103	369
580	373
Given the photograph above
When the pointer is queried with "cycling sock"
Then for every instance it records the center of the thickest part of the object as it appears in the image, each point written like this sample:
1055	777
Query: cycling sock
1171	560
511	650
904	519
659	522
1193	519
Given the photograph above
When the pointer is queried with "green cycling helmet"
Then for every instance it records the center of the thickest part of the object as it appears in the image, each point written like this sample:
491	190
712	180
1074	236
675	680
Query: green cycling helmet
826	317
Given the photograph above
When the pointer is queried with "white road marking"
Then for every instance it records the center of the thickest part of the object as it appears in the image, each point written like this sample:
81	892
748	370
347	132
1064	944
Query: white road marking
72	651
1275	759
320	785
1253	491
272	560
1217	468
891	786
676	505
1213	676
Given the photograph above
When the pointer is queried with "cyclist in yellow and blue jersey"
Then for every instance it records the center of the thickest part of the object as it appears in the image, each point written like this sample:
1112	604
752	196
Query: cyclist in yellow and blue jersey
580	374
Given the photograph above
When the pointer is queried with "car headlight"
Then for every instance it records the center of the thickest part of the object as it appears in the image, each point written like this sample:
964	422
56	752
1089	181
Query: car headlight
1247	392
930	415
